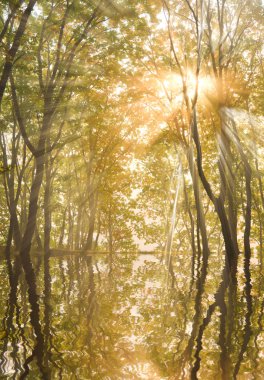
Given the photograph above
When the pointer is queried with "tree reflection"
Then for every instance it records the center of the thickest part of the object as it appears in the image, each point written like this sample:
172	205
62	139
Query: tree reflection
134	324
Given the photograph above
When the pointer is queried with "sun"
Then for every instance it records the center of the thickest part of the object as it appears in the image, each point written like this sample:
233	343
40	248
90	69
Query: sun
171	85
201	83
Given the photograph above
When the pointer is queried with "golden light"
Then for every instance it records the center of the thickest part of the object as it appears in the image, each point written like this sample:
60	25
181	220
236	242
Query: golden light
171	86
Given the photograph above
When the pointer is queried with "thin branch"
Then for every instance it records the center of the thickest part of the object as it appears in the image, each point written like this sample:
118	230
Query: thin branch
14	48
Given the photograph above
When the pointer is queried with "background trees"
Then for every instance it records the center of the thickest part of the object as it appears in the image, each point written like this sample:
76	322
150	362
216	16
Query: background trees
91	91
122	122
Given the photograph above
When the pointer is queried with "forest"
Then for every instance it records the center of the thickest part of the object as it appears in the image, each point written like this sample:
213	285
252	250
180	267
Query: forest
131	189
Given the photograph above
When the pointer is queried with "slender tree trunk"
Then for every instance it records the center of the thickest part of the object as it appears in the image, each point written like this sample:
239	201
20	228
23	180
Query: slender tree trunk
23	206
92	215
110	231
227	184
8	249
11	197
32	213
69	228
98	233
47	210
187	204
200	212
62	232
230	246
78	228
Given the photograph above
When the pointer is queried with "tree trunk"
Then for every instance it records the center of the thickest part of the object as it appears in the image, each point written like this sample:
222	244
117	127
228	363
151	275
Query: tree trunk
32	212
78	229
230	246
62	232
200	212
92	214
47	210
